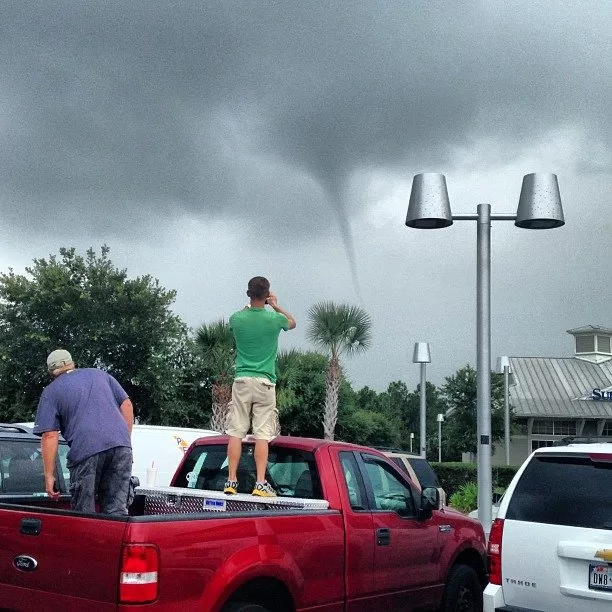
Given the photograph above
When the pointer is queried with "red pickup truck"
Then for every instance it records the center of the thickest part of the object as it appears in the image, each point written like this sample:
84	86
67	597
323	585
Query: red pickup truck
354	534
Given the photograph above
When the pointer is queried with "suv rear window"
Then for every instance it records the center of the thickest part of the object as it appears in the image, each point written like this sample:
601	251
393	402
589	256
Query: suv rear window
424	472
565	490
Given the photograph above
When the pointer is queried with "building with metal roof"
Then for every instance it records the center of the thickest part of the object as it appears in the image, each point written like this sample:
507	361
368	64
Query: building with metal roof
554	397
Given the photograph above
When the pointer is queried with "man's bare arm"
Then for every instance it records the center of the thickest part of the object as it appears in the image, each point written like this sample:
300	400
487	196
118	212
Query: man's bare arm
127	410
274	304
289	316
49	444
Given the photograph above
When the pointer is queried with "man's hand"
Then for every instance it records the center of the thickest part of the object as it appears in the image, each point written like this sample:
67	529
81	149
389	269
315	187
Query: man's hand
272	301
50	487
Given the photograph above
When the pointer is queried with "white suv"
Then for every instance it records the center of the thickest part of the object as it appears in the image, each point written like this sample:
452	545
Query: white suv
550	547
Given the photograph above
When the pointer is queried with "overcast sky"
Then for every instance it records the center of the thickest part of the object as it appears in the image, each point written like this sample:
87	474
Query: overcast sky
209	142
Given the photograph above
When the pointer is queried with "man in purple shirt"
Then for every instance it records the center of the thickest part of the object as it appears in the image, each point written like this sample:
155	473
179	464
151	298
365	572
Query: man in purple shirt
95	416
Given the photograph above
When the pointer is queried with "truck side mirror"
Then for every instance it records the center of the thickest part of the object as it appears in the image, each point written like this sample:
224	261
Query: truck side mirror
430	499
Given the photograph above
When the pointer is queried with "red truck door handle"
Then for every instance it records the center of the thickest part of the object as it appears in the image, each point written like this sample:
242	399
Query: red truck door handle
30	526
383	537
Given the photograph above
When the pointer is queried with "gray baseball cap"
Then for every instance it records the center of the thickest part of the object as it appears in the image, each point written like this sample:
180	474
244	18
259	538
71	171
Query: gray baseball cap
58	359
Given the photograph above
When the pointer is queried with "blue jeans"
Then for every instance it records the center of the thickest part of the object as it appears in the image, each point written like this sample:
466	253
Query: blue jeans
105	474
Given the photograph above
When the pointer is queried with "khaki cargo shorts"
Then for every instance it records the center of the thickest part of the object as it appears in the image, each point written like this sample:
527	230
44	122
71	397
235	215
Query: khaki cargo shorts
253	399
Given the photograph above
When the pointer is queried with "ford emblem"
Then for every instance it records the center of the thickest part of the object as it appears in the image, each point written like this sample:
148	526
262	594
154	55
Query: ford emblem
25	563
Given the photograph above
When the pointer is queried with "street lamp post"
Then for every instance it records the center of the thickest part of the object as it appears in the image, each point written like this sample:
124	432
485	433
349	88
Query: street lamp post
503	366
421	355
440	421
411	439
539	208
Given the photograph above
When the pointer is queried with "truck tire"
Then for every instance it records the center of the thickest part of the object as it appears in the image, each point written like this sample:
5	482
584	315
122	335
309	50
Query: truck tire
463	592
244	606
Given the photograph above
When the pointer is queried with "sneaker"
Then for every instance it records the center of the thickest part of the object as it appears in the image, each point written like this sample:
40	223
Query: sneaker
230	487
263	490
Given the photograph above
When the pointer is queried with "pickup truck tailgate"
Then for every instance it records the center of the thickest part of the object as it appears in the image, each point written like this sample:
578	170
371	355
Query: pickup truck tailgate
78	568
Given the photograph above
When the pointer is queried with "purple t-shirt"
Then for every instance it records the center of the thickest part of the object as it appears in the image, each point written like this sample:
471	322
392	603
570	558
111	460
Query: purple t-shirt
83	405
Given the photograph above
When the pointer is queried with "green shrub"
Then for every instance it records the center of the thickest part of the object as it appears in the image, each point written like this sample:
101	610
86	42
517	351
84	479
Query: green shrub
466	498
452	475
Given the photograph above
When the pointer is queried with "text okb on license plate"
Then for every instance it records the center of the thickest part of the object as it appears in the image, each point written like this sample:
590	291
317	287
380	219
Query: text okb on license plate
600	576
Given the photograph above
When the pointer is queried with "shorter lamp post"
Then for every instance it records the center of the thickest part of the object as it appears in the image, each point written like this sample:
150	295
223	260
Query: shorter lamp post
421	355
411	439
440	421
503	367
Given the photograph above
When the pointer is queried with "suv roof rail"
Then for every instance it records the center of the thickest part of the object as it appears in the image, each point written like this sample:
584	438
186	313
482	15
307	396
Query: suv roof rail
389	449
14	427
581	440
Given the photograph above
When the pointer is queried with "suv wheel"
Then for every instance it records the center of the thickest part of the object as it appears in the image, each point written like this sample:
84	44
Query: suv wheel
463	592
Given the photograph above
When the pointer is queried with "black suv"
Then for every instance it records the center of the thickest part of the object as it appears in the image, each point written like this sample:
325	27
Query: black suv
21	465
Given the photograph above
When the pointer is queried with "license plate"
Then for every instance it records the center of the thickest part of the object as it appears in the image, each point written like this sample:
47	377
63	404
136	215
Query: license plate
600	576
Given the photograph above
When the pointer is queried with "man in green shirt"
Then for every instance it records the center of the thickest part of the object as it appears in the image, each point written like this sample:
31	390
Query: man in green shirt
256	332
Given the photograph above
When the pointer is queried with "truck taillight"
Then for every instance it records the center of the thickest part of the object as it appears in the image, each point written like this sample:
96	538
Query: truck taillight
138	573
495	550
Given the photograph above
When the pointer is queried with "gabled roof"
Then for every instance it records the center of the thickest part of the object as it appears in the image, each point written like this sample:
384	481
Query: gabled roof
555	387
590	329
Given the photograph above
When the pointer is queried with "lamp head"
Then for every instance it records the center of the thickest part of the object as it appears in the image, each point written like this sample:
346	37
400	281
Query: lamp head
502	362
421	353
540	203
429	207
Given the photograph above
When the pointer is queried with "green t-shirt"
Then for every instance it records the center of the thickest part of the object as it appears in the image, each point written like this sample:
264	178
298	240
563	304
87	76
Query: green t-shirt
256	332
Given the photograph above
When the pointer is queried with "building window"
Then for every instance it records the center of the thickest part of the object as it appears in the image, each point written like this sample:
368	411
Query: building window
550	427
603	344
564	428
542	427
535	444
607	430
585	344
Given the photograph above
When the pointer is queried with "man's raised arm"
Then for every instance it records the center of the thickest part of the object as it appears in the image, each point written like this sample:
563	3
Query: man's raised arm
272	301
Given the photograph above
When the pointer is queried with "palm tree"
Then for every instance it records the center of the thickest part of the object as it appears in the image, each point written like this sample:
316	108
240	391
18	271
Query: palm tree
337	328
216	343
285	360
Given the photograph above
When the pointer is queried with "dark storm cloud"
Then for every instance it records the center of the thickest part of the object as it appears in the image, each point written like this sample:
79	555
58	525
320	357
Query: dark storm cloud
114	111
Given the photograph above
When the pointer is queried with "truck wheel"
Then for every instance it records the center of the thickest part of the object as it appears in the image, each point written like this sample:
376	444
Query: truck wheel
244	606
463	592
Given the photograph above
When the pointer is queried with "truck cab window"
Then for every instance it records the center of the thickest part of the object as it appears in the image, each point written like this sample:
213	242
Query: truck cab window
291	472
390	493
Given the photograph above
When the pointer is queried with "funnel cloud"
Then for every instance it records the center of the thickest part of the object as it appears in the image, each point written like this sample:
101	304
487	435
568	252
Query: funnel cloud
208	142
